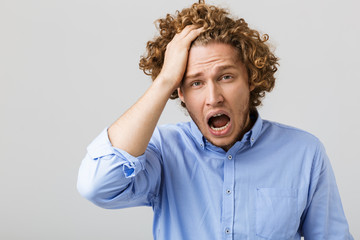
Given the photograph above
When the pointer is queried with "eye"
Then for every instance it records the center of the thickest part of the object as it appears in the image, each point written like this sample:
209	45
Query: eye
226	77
196	84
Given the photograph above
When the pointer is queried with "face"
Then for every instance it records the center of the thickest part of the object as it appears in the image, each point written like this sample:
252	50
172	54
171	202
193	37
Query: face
216	93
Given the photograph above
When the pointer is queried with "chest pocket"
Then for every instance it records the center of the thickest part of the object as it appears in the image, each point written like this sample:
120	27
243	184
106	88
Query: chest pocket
276	213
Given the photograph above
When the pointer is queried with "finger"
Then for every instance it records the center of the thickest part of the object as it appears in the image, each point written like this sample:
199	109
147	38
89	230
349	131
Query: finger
187	30
193	34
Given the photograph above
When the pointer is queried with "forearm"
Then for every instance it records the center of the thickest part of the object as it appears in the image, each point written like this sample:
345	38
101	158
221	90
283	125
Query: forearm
133	130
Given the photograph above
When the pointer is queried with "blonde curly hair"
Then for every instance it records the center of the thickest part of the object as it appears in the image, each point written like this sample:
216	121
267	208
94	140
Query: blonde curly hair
259	61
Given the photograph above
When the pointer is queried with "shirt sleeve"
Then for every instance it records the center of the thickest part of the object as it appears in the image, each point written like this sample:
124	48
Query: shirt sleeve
111	178
324	216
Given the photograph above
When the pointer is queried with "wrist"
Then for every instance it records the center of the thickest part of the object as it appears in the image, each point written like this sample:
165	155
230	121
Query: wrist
167	85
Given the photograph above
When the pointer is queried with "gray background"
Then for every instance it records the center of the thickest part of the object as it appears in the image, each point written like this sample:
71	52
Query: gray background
69	68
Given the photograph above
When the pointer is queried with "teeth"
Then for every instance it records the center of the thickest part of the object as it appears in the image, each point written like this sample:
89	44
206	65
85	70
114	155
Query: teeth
217	115
220	128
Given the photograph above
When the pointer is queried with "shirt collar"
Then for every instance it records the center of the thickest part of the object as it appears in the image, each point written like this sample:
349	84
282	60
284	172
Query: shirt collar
255	131
197	134
252	135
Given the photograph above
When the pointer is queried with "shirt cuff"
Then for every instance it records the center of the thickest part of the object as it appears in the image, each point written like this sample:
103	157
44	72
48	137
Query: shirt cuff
132	165
101	146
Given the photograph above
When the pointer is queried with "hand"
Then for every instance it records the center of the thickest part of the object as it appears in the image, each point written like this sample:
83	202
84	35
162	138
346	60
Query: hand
176	55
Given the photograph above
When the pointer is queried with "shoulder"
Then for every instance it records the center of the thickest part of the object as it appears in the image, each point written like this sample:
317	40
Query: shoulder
172	133
174	129
290	134
294	142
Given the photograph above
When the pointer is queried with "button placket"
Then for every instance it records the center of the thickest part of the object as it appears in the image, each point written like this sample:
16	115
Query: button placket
228	196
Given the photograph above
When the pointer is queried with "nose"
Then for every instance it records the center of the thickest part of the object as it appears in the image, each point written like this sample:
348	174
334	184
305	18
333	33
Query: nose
214	94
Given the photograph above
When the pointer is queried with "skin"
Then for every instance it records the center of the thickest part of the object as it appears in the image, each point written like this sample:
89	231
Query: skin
216	82
132	131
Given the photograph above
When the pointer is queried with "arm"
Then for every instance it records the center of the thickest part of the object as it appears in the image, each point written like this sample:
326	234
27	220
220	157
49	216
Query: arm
111	178
133	130
324	217
121	168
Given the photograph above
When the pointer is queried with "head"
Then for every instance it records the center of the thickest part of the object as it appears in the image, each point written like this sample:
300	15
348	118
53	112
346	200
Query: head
219	26
227	49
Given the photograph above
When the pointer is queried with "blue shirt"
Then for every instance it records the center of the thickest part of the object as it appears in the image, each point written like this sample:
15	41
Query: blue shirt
276	183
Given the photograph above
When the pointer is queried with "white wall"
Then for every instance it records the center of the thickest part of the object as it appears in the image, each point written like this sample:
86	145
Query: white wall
70	68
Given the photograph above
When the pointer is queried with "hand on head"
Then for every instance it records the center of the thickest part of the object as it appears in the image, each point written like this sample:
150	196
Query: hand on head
176	55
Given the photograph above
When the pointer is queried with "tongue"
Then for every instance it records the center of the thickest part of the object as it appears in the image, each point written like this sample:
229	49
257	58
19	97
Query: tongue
219	121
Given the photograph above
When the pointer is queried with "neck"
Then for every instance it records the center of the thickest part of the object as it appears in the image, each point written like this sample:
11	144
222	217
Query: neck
249	123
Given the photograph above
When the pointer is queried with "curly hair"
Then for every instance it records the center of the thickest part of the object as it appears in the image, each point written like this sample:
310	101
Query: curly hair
260	62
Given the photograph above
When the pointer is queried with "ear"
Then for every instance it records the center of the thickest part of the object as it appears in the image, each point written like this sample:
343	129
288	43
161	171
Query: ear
181	94
251	87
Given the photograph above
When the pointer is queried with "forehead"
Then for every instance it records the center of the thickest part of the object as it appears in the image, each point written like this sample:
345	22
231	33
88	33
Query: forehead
212	55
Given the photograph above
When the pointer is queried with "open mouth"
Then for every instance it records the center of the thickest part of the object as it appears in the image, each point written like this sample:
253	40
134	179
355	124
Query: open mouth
219	122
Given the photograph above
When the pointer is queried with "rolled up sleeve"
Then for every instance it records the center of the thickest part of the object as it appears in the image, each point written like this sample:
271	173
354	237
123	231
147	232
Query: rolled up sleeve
112	178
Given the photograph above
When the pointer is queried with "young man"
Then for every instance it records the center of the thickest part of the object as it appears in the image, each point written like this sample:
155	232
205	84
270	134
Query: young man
227	174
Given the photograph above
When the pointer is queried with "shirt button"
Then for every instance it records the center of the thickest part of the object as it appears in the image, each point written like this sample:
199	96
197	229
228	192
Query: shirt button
229	157
227	230
252	139
228	191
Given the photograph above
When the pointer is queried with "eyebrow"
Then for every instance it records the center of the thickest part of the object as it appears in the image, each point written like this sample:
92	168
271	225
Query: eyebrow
217	69
196	75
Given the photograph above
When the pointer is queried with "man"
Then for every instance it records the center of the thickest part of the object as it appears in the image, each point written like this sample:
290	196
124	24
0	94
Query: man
227	174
